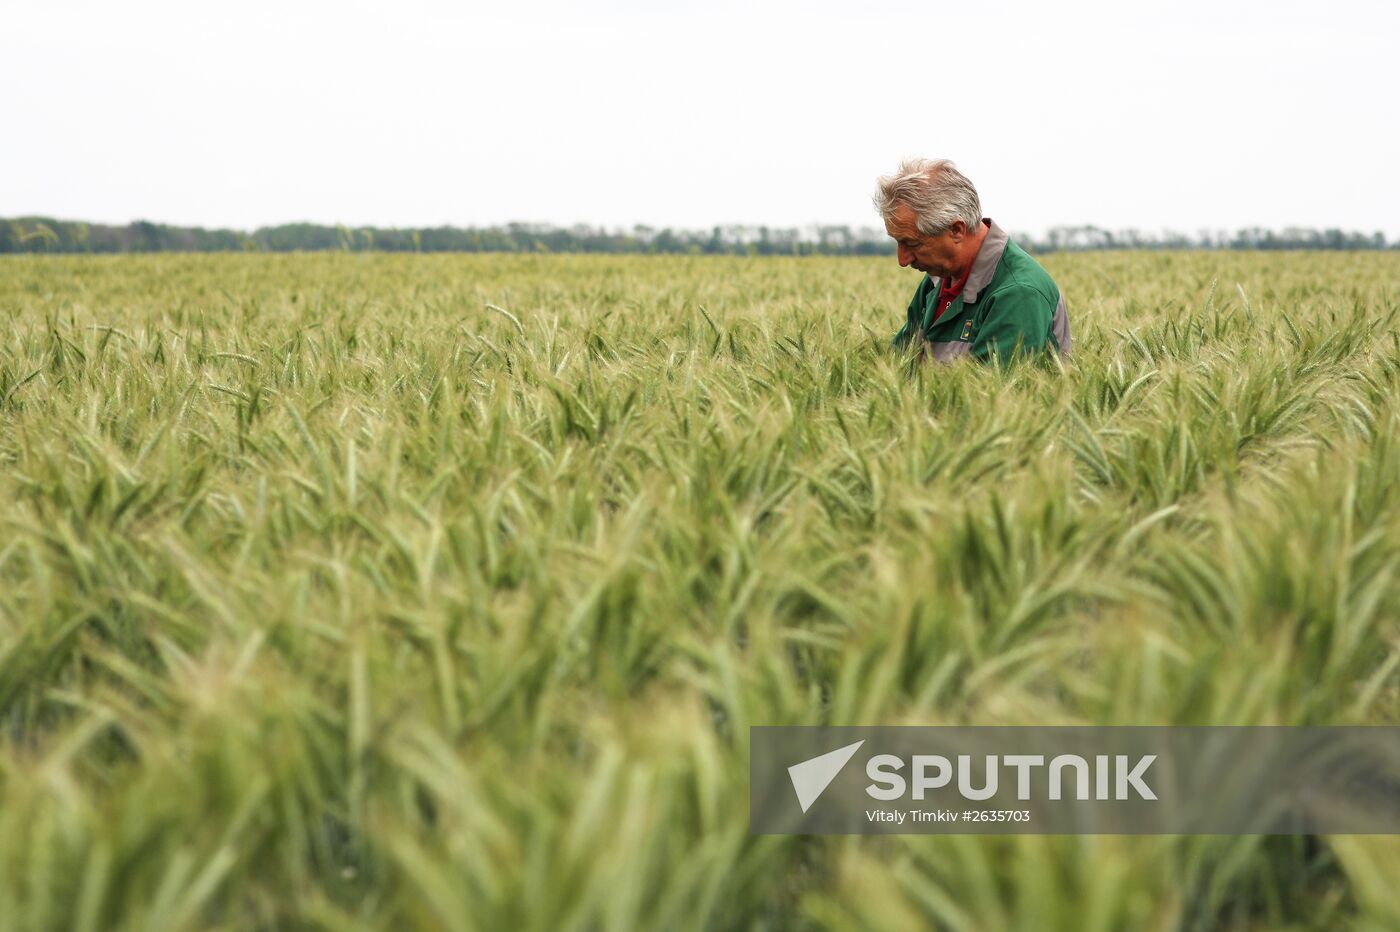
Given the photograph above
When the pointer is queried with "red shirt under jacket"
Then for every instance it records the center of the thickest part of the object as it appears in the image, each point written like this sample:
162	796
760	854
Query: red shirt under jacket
954	288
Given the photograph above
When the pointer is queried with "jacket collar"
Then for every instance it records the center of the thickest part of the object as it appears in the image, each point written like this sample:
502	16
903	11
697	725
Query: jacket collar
985	265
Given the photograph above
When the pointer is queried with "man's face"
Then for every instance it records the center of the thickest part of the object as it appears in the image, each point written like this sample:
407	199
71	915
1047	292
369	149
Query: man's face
935	255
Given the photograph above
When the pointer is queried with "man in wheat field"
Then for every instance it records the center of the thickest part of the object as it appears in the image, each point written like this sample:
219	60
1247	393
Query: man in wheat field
982	295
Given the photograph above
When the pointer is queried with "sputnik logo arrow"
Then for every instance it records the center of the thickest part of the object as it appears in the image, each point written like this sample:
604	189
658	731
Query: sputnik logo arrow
811	777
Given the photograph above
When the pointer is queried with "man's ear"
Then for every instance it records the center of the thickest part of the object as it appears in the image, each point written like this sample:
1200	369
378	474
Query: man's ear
957	231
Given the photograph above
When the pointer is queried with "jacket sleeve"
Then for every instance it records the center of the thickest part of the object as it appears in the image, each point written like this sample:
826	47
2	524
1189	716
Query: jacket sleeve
1017	322
913	317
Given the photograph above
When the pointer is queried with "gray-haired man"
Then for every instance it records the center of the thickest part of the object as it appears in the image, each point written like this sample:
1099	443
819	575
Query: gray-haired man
981	295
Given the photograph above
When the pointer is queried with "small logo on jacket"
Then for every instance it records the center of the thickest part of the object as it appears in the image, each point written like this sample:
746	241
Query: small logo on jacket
967	331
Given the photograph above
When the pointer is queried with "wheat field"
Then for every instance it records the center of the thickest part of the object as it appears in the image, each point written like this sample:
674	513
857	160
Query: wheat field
364	591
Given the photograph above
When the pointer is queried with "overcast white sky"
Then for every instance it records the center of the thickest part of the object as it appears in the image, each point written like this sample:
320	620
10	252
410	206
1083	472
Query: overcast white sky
1186	115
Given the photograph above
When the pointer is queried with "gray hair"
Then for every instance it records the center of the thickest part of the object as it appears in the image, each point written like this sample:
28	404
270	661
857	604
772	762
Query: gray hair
936	191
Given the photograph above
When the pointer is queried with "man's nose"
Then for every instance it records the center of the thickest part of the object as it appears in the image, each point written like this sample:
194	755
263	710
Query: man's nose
905	257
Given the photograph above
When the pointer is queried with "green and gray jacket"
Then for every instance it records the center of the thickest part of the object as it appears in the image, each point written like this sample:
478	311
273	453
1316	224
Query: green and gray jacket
1009	302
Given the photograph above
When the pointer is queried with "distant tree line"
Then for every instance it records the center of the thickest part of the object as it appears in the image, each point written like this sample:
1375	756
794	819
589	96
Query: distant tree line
1092	237
44	234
